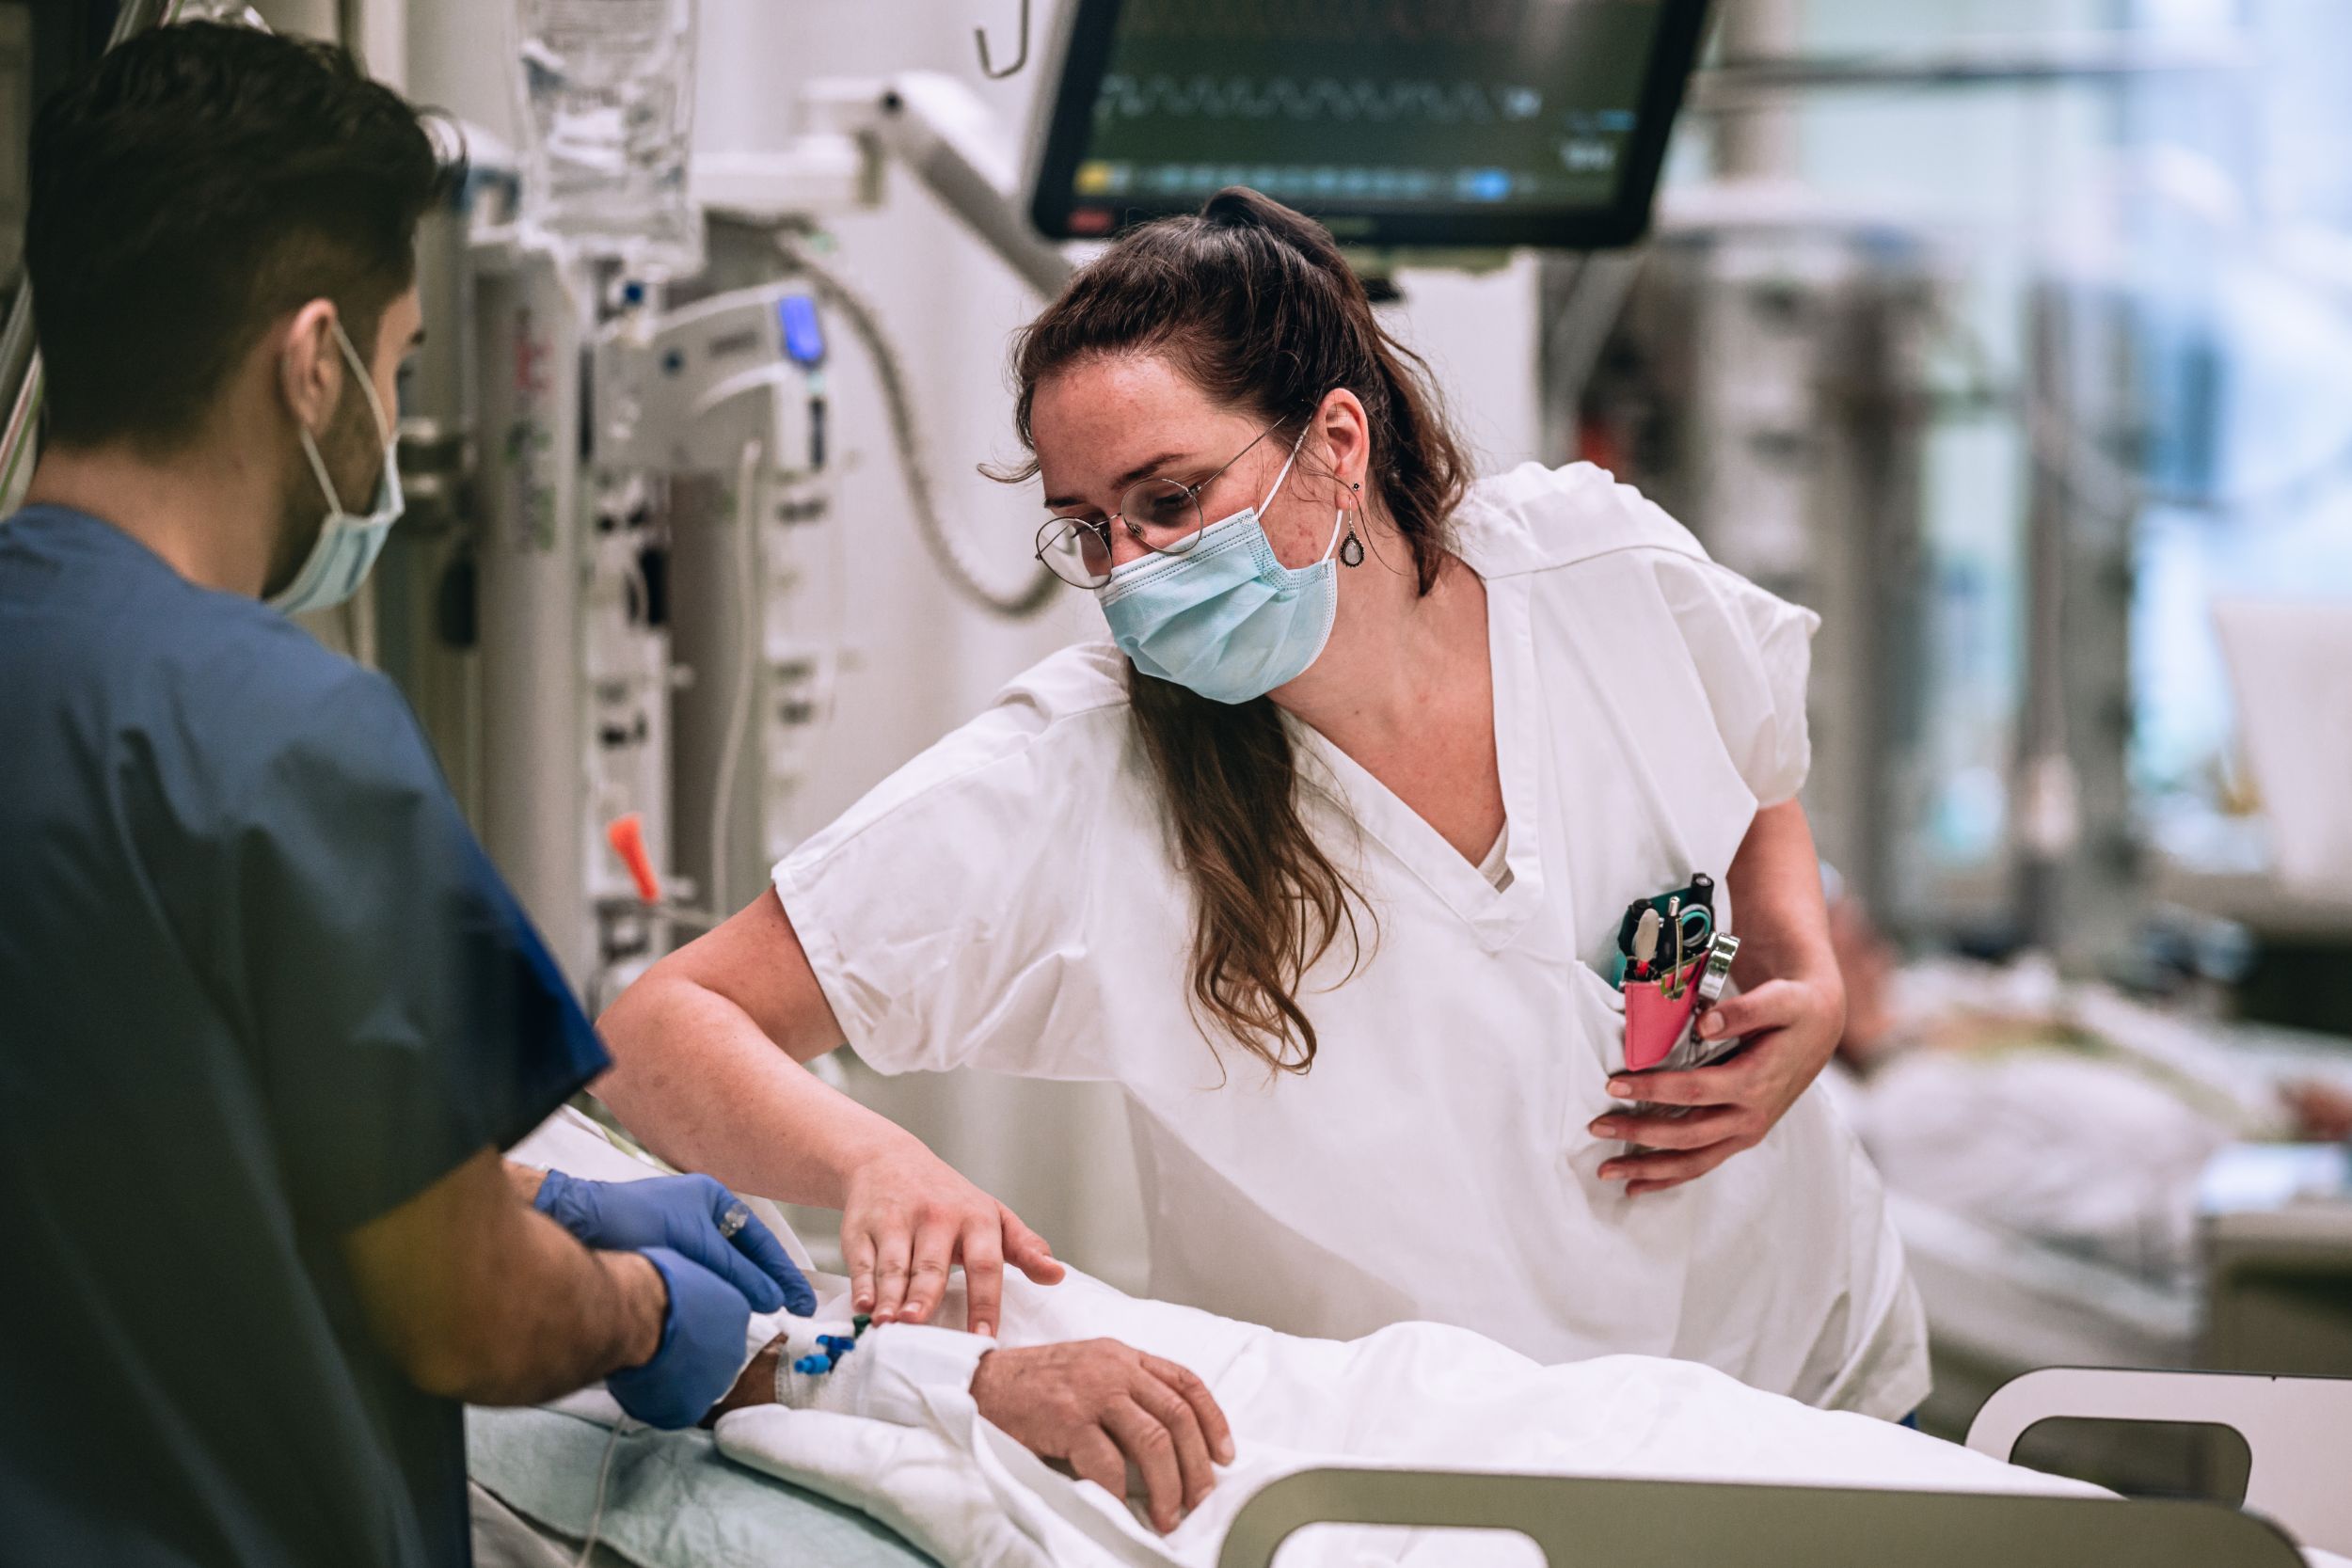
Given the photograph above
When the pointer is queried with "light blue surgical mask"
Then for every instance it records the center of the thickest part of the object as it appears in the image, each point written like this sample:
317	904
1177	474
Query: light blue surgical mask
1226	618
347	546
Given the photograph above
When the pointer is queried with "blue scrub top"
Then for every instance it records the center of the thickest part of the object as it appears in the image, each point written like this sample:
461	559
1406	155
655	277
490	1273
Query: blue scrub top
257	986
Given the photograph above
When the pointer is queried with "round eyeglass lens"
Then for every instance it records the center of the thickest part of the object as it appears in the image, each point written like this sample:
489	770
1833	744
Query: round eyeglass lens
1075	552
1165	513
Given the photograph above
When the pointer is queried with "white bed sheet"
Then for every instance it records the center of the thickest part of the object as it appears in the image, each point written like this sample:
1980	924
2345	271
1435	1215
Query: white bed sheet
1416	1396
2009	1304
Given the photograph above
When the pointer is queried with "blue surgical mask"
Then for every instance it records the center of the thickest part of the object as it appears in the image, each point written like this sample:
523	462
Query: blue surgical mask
1226	618
347	546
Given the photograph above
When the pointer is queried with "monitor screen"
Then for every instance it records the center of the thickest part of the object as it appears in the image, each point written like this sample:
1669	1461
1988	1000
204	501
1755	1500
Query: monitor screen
1405	122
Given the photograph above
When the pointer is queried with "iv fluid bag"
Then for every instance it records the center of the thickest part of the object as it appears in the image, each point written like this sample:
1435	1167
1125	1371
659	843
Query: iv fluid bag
608	89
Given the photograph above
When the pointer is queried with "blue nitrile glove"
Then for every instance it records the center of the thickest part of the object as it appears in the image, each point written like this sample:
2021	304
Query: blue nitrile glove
700	1351
683	1213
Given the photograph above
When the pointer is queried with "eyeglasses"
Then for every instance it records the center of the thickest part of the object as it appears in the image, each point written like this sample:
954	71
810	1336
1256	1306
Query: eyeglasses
1162	515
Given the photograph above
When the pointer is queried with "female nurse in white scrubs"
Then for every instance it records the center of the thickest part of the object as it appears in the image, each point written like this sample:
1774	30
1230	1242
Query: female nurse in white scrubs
1320	859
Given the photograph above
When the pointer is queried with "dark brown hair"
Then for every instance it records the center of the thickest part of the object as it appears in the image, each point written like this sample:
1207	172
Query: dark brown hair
1254	305
192	188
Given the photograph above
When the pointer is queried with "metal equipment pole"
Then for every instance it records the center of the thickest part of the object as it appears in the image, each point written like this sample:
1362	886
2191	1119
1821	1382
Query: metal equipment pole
1758	139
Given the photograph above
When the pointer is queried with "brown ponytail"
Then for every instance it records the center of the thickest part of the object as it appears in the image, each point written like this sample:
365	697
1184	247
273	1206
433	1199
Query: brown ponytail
1255	305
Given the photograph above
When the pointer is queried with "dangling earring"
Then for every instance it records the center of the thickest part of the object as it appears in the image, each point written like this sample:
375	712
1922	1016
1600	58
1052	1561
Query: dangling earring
1352	549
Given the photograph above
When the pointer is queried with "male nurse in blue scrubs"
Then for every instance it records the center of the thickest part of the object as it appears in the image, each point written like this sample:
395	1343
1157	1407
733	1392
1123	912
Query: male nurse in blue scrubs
266	1015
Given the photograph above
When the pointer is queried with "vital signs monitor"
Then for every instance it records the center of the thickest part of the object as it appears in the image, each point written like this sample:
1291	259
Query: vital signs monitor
1395	122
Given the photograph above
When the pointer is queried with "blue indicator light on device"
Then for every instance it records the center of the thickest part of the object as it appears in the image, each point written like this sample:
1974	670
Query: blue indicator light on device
803	336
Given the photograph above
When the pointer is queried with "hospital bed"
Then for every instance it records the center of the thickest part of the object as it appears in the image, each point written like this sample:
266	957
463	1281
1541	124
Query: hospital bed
2000	1304
2001	1301
2298	1433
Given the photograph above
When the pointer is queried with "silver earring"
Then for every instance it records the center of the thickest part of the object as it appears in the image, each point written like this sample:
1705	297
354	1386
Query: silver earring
1352	549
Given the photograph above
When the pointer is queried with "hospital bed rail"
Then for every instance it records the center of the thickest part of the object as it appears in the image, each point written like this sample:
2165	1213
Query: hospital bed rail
2298	1433
1587	1523
2298	1430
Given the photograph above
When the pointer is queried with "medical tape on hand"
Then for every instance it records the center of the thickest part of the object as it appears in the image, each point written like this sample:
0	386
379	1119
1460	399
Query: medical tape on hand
887	1376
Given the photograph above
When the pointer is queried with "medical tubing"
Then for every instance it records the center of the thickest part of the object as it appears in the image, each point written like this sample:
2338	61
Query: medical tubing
1044	587
17	443
2071	456
750	641
595	1512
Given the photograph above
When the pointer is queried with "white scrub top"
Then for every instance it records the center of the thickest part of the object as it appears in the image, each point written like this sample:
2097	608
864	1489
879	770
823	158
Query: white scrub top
1009	900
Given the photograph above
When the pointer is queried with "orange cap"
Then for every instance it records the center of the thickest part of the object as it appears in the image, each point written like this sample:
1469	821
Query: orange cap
626	835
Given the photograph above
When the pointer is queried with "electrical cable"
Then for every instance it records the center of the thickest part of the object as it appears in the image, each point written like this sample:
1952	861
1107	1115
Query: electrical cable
2105	484
596	1513
750	644
2071	456
1044	587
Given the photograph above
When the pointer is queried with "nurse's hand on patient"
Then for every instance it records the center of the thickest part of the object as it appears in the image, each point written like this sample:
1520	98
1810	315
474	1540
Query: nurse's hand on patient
1792	1028
692	1217
1099	1406
908	1217
700	1351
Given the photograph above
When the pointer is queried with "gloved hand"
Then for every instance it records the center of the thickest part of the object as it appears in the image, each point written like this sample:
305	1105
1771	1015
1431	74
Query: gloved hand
701	1352
683	1213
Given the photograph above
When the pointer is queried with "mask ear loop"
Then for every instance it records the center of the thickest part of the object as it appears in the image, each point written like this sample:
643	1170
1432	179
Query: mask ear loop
1280	477
375	412
367	386
318	468
1351	553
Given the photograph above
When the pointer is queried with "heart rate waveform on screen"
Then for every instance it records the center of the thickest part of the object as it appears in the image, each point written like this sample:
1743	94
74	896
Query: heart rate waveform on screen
1482	23
1322	98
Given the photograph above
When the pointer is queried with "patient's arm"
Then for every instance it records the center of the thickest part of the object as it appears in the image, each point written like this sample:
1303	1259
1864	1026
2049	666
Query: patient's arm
1096	1406
476	1297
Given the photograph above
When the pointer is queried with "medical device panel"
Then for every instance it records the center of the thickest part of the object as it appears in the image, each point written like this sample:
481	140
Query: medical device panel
1493	123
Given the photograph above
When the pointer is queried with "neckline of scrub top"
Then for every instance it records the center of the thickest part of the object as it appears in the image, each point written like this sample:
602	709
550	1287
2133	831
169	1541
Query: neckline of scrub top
1495	914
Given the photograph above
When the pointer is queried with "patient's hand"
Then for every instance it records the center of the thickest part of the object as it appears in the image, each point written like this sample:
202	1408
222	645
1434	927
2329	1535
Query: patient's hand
2323	1112
1096	1405
1100	1405
757	1384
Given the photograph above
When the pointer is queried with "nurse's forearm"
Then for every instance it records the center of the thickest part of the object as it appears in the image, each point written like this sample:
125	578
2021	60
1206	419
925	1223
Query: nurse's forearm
1776	904
703	1087
707	1050
477	1298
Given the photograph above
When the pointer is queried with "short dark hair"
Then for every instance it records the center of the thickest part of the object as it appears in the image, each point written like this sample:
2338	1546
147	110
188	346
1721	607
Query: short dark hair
192	187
